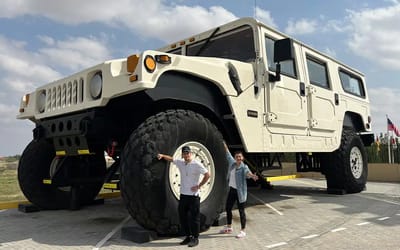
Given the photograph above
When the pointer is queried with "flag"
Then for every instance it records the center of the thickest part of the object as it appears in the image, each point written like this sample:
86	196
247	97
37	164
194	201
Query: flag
392	127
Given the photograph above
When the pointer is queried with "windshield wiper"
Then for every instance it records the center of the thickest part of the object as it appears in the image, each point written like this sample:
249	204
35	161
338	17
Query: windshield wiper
207	42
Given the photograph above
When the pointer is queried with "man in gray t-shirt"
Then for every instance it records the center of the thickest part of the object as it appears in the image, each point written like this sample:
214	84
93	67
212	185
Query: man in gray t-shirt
189	202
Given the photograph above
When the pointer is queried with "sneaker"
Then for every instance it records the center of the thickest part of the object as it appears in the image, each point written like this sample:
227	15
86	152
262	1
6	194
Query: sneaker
241	235
226	230
193	242
185	241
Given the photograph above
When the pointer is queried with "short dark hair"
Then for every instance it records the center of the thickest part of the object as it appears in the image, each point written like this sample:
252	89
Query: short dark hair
238	152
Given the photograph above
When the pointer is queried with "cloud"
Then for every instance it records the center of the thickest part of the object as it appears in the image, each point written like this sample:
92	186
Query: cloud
19	68
22	69
301	27
7	113
330	52
155	19
265	17
376	35
384	101
15	134
75	53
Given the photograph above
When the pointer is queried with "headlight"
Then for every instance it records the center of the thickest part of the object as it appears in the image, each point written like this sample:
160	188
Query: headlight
150	64
41	101
96	85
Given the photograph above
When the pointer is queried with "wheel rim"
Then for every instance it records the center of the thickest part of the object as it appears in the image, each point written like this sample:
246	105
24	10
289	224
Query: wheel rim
55	164
356	162
201	154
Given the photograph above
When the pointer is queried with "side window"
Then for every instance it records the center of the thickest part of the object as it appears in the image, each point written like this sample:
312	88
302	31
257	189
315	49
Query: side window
351	83
287	67
177	51
237	44
318	72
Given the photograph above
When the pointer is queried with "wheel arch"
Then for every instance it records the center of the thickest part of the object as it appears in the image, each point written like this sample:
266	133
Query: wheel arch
354	121
179	90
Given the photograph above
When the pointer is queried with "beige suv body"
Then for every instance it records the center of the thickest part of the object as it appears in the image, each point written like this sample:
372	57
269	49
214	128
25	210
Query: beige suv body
260	91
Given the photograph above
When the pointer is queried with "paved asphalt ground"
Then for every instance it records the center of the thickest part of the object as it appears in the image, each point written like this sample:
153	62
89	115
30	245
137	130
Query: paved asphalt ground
296	214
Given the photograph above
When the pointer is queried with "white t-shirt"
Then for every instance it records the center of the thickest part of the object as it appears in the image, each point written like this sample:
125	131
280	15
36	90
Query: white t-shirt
232	179
190	174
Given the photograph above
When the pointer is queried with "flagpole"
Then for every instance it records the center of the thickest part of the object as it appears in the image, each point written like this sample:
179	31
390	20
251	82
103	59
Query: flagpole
388	139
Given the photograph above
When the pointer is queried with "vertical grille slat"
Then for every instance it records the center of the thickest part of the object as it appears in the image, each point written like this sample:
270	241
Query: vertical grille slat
75	93
48	100
80	90
69	94
53	98
58	98
65	95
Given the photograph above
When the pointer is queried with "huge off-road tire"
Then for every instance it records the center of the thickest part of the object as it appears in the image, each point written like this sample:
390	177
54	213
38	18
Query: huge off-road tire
34	166
150	187
347	168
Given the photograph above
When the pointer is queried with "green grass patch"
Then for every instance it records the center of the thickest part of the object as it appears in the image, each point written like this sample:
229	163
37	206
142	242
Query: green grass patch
9	188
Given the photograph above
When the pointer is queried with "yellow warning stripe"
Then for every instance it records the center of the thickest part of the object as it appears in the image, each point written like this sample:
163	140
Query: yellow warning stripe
47	181
109	195
282	177
110	185
61	153
14	204
83	151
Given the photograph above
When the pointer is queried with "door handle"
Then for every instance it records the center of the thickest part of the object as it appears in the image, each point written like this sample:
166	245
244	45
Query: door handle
336	99
302	89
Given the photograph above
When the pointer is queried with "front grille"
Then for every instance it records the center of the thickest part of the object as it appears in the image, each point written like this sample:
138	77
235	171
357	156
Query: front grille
64	95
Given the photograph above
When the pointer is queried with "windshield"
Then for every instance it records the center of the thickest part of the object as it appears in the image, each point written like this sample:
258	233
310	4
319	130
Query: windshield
237	44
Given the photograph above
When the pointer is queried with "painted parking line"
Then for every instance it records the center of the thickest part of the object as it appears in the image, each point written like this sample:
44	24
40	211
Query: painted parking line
276	245
266	204
338	229
383	218
363	223
110	234
310	236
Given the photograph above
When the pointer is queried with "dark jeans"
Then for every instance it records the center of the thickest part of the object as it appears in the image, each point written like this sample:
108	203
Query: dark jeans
232	198
189	214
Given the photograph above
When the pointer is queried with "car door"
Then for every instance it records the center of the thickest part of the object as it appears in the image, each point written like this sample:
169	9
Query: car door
321	98
286	102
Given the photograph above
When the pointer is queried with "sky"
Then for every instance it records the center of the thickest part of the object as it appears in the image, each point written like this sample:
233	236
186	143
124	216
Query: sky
45	40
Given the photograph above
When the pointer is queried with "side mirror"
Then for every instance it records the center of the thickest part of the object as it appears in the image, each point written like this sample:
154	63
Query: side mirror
283	51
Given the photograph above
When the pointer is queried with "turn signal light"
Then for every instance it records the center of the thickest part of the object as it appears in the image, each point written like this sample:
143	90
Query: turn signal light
131	63
25	99
149	63
163	59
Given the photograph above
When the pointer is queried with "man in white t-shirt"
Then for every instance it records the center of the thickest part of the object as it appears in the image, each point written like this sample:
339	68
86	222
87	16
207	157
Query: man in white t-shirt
189	202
